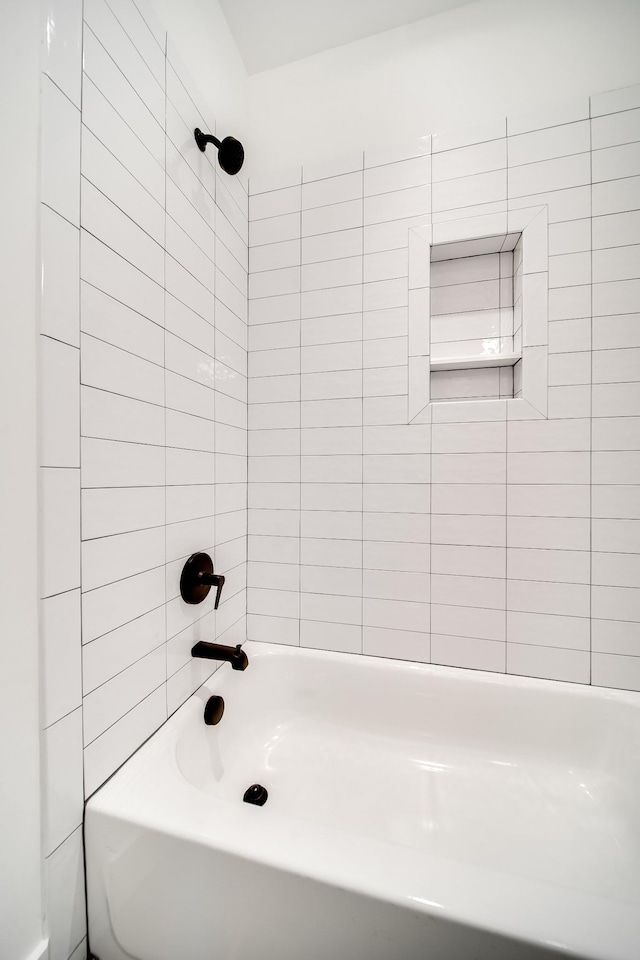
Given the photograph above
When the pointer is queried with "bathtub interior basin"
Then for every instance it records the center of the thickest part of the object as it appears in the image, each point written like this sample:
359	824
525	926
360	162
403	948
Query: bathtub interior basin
484	806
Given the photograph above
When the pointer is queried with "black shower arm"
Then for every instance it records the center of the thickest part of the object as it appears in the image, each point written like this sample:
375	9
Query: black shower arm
202	139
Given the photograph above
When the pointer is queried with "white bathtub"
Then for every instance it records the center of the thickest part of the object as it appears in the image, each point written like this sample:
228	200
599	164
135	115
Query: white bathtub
414	813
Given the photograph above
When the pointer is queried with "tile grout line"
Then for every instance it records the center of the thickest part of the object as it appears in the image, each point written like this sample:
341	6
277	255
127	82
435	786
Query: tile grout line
80	597
299	323
164	383
133	43
591	400
428	374
80	417
506	434
362	443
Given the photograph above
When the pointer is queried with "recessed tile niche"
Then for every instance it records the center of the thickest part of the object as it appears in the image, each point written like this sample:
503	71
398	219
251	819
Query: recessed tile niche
475	296
478	312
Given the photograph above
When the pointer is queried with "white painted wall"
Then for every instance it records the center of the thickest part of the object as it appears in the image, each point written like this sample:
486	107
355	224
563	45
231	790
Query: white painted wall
487	59
20	886
203	39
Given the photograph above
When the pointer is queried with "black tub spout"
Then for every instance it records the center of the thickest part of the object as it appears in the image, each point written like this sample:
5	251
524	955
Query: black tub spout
218	651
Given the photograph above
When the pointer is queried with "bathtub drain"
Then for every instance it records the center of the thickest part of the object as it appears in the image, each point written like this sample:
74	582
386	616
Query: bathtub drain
256	794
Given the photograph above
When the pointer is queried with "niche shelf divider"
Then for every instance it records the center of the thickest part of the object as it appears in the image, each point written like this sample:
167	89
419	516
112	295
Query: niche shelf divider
472	363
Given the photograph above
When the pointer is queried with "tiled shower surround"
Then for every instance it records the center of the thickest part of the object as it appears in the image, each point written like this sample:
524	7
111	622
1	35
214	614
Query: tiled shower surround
143	413
486	536
489	536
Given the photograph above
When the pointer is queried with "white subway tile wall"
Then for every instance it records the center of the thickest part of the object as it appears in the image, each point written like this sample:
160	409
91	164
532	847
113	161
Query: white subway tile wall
486	536
483	536
143	398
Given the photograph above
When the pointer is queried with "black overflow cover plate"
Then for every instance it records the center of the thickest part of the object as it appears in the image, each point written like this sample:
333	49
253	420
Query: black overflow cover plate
256	794
214	708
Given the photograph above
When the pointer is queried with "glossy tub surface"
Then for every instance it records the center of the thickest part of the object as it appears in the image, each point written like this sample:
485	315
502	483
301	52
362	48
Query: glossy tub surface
414	812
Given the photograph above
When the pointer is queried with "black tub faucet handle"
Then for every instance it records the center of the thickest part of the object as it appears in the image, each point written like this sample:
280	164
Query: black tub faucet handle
214	580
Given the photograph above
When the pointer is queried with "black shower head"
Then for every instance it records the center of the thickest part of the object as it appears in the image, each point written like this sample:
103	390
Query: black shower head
230	150
231	155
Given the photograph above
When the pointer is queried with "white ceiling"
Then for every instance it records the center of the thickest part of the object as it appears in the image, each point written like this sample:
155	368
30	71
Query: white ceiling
270	33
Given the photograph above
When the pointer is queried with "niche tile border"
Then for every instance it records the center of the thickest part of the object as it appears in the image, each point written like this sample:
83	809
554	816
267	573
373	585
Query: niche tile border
532	224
